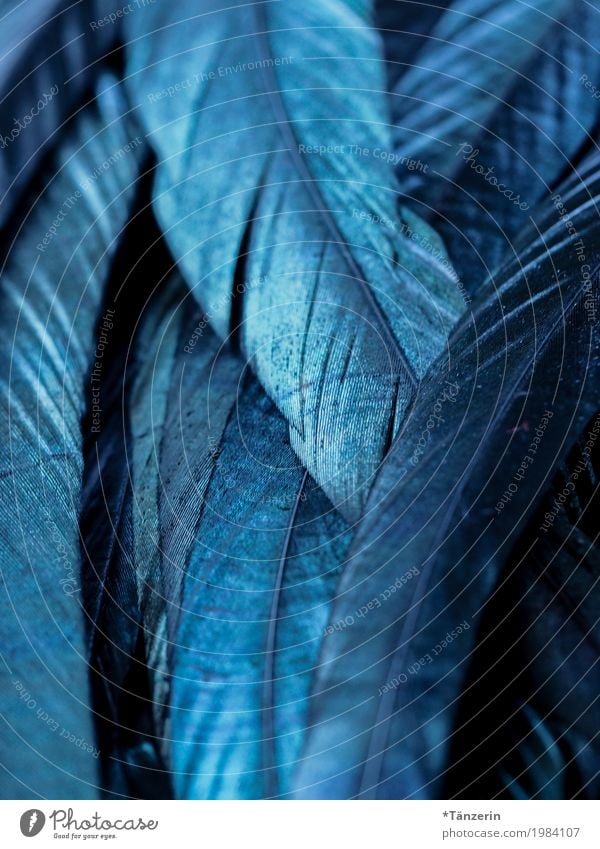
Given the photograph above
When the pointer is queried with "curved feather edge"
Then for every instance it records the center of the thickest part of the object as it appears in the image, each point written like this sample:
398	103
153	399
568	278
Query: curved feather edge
51	289
535	135
223	160
460	78
386	693
268	551
48	68
527	725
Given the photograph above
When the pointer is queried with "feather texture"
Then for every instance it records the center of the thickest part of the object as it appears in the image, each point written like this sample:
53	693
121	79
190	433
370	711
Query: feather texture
261	573
460	77
239	556
51	289
534	136
278	508
539	642
313	235
439	508
48	69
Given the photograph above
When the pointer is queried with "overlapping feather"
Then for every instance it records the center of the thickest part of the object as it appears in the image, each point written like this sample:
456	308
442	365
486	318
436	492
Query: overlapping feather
524	365
50	60
298	488
52	285
495	173
311	239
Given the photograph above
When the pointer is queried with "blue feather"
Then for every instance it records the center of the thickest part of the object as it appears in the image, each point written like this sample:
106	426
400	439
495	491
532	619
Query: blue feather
261	573
532	138
308	240
48	70
475	53
226	519
437	508
51	290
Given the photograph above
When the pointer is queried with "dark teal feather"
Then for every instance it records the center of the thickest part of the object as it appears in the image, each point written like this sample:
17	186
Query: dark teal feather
530	346
528	723
224	519
264	565
476	52
51	301
534	137
48	68
307	242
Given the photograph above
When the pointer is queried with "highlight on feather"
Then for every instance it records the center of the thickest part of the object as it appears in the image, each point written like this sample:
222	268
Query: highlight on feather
299	400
